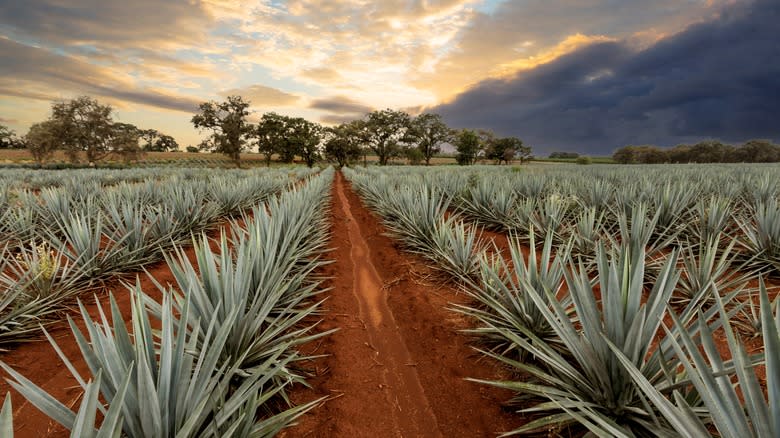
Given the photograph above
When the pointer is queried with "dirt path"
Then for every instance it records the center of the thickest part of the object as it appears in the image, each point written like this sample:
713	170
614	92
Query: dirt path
397	365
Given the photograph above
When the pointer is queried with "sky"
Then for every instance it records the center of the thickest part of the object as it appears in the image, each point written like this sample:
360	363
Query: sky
563	75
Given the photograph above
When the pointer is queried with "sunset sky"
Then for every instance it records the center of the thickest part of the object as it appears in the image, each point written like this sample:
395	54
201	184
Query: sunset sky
578	75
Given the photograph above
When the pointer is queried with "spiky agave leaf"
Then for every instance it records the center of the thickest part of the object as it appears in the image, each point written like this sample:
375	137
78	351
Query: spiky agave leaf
7	418
736	410
82	423
708	263
503	302
588	381
456	249
172	392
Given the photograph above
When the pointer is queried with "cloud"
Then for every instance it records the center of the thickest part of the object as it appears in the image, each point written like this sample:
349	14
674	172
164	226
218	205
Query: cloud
718	78
37	73
322	75
262	95
339	109
340	105
101	23
526	33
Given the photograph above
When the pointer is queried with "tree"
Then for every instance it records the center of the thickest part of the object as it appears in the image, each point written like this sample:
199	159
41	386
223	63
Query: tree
305	138
413	155
156	141
640	155
166	143
468	145
505	149
342	143
269	135
42	140
83	124
564	155
228	122
125	141
710	151
383	131
757	151
7	137
276	134
428	131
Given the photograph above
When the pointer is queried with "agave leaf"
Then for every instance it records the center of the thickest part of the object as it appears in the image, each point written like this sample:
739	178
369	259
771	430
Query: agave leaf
7	418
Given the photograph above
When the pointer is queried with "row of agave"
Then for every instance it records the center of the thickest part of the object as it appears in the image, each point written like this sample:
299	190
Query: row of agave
616	344
226	348
61	241
31	179
687	204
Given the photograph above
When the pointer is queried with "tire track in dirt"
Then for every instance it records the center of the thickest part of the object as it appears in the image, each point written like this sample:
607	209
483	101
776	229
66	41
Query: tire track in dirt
411	413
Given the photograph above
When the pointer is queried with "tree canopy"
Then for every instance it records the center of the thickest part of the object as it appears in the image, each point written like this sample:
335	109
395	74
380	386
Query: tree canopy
8	139
428	132
42	140
228	122
709	151
383	131
342	143
467	144
156	141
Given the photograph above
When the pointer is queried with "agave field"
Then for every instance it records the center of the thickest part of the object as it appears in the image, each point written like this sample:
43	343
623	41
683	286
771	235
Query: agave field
208	356
622	297
614	301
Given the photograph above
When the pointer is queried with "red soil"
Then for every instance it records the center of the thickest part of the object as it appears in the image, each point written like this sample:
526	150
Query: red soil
397	365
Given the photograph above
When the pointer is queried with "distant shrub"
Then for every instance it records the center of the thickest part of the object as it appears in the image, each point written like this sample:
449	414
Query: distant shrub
564	155
584	160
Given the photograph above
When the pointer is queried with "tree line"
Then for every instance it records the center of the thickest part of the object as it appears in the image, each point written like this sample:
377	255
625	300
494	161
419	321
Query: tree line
85	127
710	151
387	133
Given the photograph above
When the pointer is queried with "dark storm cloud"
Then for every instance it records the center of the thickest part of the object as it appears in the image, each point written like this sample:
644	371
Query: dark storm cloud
717	79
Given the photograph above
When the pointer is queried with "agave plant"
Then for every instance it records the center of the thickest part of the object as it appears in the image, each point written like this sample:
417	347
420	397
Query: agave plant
588	384
35	280
711	218
736	409
264	314
168	390
762	233
7	417
706	264
86	245
20	224
551	214
126	223
585	232
503	304
412	215
671	203
490	203
456	249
